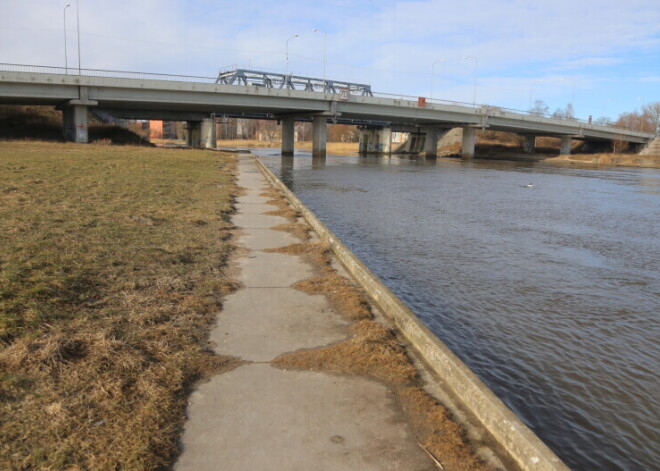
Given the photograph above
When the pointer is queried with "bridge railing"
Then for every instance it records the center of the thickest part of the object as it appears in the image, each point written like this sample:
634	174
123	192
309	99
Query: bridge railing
74	71
478	107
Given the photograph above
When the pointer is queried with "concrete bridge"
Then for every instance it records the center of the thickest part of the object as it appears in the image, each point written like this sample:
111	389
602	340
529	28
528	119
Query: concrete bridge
198	100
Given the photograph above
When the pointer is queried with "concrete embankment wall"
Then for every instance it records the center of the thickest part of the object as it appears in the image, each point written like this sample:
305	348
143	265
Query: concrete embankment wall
521	444
653	148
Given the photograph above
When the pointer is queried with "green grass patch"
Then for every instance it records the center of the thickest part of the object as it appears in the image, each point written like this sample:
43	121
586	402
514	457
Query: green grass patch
111	271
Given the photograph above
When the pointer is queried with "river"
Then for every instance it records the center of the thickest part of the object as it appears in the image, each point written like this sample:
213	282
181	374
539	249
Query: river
549	293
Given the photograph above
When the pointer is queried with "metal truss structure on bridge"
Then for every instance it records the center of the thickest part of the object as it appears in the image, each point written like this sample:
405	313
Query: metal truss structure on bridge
292	82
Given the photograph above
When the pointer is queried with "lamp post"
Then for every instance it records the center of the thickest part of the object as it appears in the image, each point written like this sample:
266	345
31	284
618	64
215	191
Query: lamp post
78	21
563	79
66	60
604	102
476	71
287	52
325	42
433	73
531	88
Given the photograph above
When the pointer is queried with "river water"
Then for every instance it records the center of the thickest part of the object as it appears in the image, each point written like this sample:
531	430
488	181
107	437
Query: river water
550	294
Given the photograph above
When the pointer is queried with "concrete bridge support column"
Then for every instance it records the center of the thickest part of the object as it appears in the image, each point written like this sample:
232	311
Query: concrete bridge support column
469	142
319	136
384	141
375	141
565	145
194	138
372	143
208	136
75	123
431	142
288	136
529	145
364	141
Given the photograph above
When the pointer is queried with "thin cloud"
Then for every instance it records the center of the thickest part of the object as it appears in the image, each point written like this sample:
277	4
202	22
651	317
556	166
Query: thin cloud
591	62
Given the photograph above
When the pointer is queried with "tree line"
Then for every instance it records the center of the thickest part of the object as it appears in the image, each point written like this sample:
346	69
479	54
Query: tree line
646	120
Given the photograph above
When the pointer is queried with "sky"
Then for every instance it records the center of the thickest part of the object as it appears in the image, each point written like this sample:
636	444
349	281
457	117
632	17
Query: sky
603	56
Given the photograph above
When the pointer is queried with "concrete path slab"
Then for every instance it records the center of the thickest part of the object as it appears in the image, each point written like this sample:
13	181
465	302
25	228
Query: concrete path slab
272	270
262	221
254	208
261	418
260	239
251	199
259	324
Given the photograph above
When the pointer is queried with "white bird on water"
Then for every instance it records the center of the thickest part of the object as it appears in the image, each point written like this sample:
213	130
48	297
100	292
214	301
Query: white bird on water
529	185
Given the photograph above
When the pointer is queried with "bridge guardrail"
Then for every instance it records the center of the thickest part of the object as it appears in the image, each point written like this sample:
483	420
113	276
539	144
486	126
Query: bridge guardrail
74	71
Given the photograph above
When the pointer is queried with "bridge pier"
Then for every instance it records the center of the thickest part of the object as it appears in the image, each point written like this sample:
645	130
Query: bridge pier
288	136
375	141
209	133
319	136
469	143
529	144
201	134
75	122
565	145
431	142
194	137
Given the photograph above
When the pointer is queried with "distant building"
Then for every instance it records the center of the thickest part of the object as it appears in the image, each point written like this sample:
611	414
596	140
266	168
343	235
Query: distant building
155	129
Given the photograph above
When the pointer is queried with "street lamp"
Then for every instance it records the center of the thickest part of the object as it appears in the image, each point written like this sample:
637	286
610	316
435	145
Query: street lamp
433	72
66	60
476	71
78	21
563	79
287	52
531	87
325	42
604	102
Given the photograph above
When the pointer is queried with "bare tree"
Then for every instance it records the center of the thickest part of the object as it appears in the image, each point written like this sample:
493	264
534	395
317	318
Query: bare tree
565	113
539	108
651	114
603	121
569	111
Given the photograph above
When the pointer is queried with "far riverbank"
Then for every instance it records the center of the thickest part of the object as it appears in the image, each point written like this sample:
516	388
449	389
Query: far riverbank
619	160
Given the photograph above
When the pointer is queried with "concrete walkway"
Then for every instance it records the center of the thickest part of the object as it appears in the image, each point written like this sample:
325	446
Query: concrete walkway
261	417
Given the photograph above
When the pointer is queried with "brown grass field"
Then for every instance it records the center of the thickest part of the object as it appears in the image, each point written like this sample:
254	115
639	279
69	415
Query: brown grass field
341	148
111	272
621	160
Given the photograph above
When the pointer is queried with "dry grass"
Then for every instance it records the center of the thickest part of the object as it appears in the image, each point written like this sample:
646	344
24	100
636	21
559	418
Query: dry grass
623	160
342	293
340	148
374	351
42	123
110	276
299	229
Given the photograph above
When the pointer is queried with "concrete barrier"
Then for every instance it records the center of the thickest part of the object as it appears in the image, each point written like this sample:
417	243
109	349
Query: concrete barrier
522	445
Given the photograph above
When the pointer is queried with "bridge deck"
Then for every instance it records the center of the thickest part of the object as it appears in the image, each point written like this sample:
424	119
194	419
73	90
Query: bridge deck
149	98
